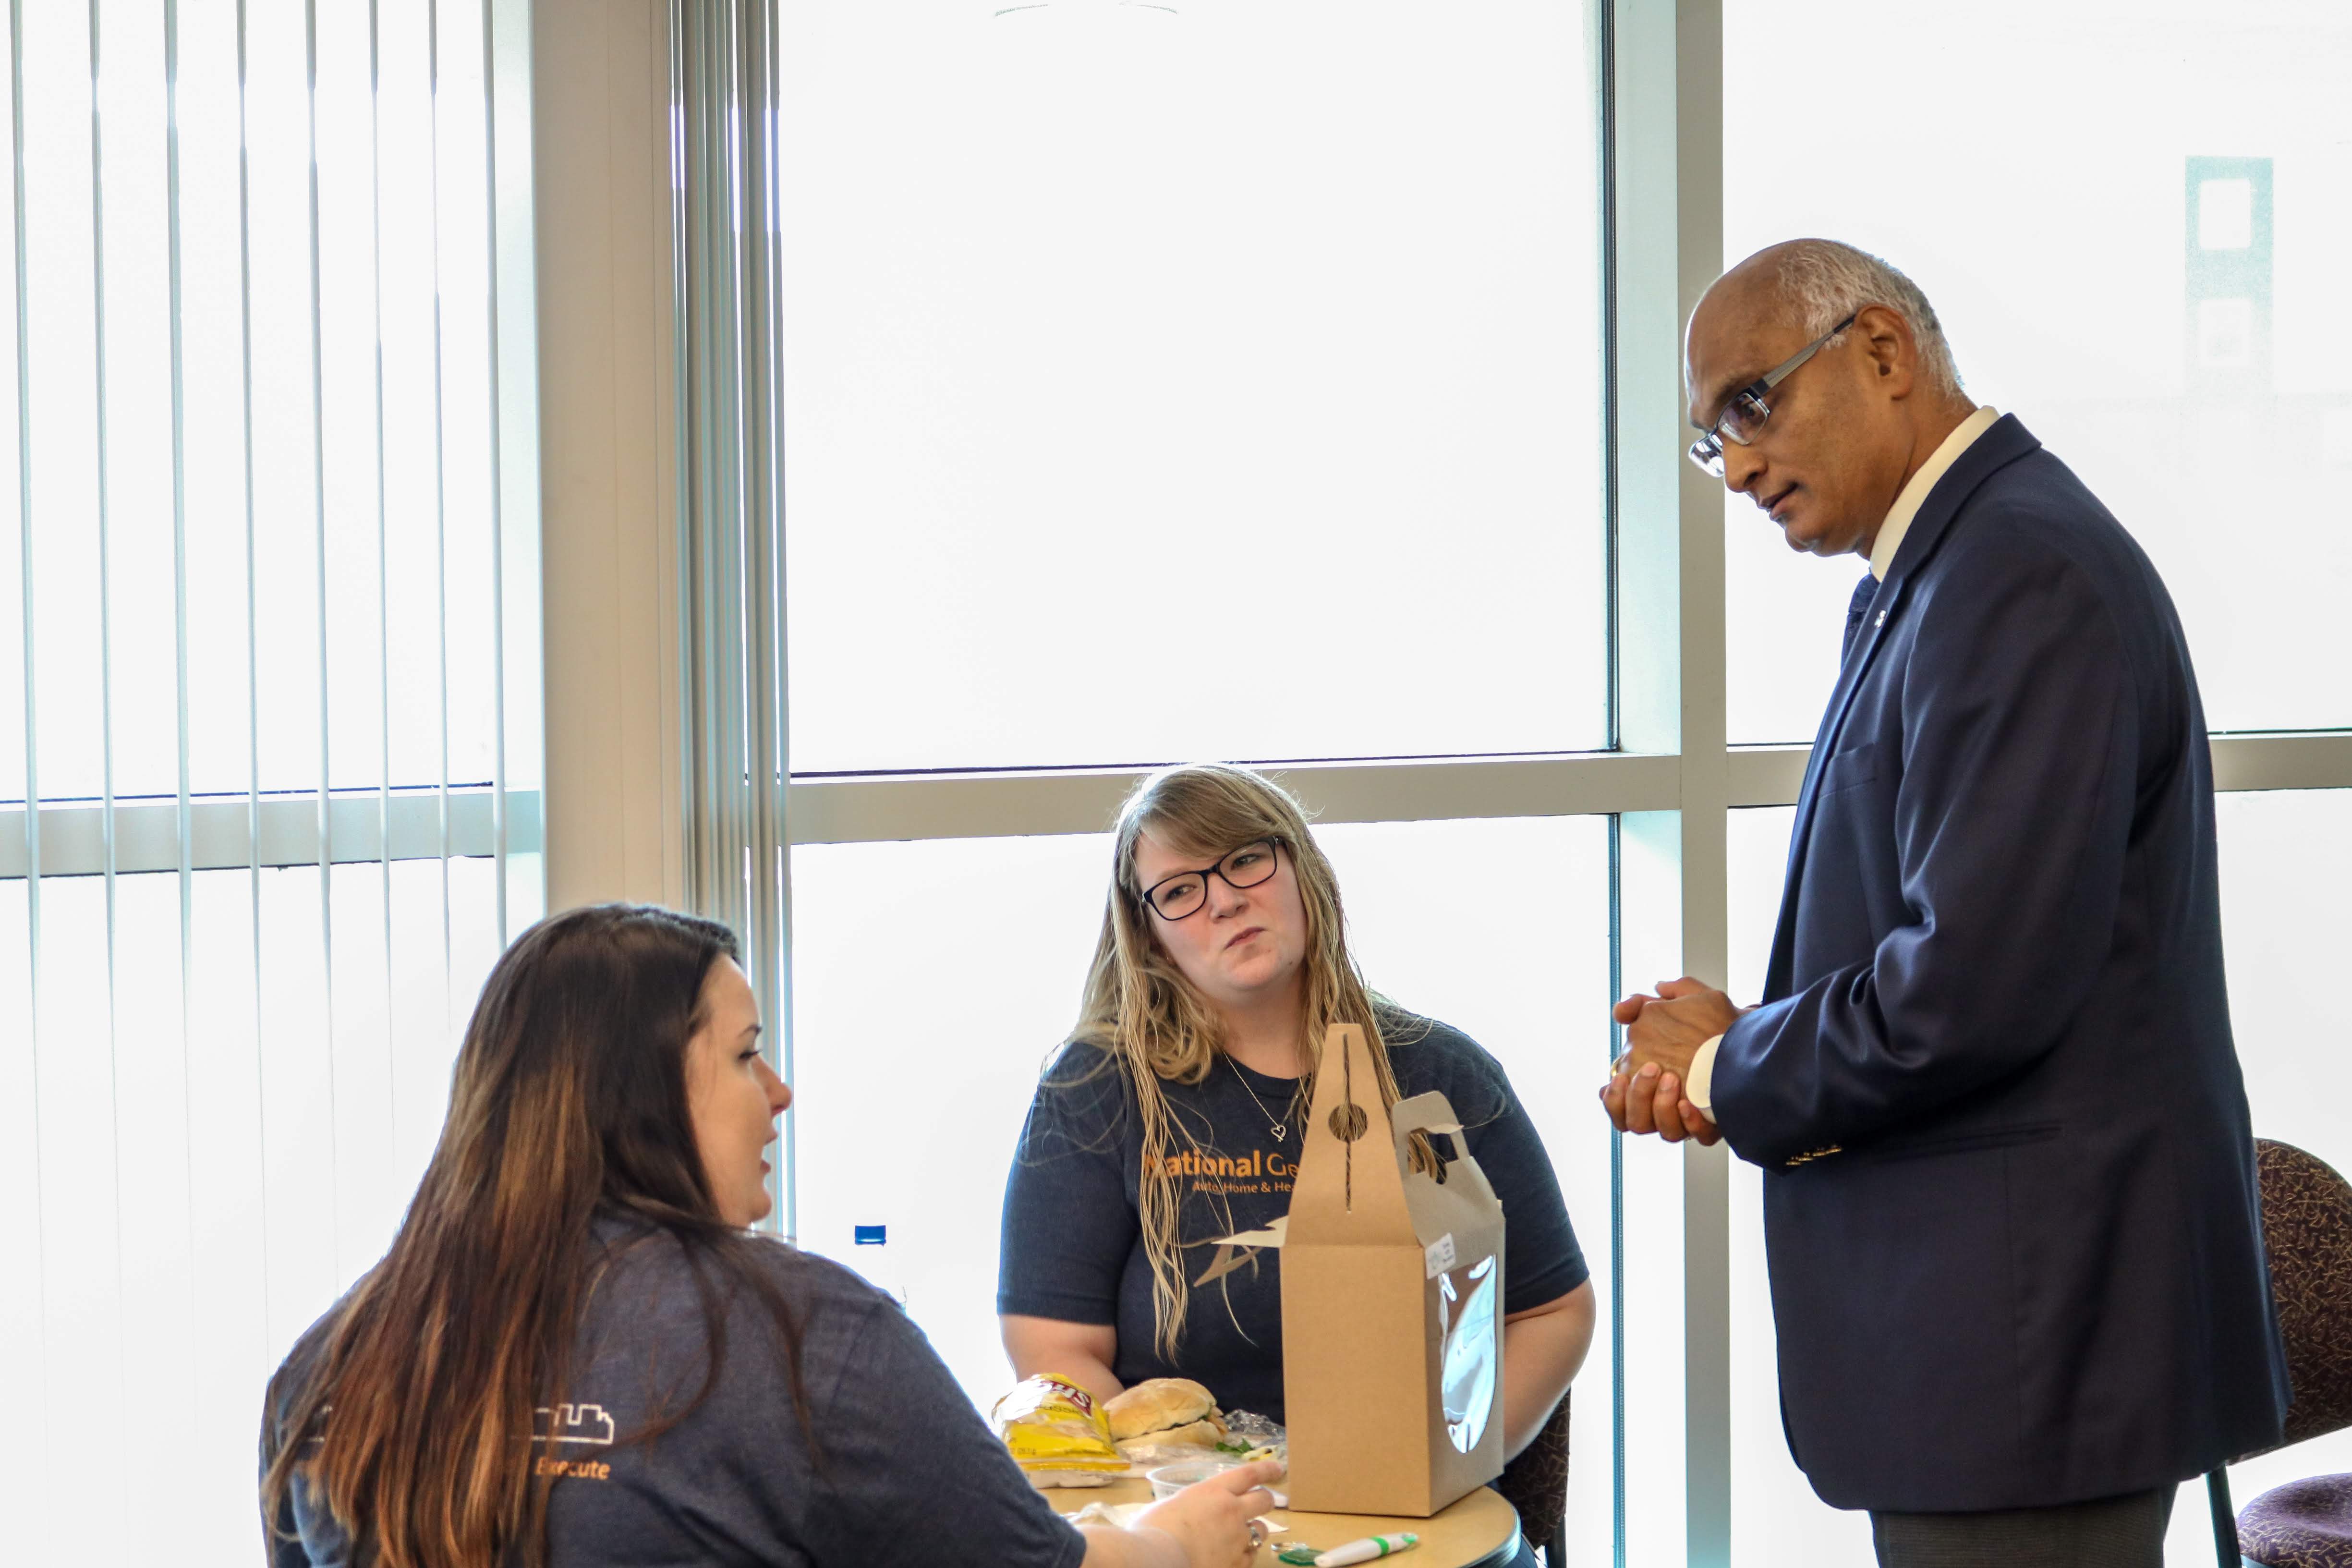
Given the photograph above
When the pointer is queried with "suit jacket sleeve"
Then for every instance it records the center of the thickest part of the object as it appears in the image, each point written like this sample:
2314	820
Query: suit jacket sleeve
2012	817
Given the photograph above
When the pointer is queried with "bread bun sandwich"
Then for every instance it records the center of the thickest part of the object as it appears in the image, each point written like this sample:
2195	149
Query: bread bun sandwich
1165	1412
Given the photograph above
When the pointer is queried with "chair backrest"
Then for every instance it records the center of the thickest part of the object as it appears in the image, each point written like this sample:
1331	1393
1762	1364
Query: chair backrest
1536	1483
2307	1232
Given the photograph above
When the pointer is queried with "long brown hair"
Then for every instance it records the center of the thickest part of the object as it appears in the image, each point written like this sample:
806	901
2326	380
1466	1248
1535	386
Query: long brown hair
1149	1020
569	1096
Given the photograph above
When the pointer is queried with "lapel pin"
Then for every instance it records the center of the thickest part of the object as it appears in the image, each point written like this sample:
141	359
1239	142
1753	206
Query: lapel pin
1882	617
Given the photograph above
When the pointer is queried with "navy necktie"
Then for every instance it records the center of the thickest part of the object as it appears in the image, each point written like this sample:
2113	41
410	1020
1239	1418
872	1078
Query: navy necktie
1863	592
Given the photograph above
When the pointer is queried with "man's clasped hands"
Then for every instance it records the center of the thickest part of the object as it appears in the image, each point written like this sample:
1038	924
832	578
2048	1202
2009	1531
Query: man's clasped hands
1648	1089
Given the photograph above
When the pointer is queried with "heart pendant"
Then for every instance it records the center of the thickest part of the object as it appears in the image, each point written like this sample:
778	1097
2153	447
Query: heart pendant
1280	1132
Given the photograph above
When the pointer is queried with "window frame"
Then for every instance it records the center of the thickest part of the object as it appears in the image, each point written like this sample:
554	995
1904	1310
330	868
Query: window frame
617	819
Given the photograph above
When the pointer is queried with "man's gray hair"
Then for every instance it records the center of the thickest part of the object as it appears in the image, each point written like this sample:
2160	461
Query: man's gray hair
1827	283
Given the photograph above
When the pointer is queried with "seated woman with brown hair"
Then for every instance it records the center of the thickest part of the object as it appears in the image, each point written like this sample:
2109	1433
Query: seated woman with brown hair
575	1351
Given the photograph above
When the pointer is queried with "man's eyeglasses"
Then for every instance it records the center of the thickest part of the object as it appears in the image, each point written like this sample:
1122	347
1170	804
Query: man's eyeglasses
1173	898
1743	418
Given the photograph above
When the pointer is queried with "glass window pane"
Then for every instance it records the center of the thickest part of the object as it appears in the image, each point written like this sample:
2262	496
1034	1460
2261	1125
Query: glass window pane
1777	1521
1182	345
2132	227
2285	859
2285	939
1501	929
912	1078
205	1164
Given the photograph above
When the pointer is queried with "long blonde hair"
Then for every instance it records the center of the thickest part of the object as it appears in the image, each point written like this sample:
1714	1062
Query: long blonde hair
1144	1016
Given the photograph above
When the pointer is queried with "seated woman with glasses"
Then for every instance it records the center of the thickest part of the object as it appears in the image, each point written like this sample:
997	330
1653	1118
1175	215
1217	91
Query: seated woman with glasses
1223	961
576	1351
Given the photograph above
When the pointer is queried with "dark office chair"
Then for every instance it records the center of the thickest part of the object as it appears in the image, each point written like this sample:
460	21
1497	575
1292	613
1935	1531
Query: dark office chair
2307	1232
1536	1483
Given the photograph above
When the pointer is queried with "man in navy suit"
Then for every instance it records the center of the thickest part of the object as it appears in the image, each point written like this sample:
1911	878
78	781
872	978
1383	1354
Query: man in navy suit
2010	1208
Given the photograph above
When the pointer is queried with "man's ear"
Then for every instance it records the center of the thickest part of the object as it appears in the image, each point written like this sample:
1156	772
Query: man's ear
1887	344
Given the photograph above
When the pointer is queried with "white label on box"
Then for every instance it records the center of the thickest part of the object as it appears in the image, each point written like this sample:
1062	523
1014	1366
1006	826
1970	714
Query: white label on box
1438	1255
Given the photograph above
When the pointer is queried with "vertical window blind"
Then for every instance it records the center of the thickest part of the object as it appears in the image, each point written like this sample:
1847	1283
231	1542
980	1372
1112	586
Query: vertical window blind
726	291
268	713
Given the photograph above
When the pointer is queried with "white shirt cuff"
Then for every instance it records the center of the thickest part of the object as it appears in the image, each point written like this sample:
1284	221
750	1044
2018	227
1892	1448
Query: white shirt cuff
1698	1084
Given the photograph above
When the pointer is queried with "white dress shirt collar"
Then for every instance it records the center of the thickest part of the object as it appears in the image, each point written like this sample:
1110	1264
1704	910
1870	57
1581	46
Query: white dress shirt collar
1915	494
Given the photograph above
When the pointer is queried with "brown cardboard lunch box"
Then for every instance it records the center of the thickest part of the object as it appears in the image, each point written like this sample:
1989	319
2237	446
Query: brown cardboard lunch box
1391	1304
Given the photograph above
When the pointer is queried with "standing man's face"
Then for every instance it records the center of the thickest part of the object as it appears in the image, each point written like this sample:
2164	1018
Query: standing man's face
1829	462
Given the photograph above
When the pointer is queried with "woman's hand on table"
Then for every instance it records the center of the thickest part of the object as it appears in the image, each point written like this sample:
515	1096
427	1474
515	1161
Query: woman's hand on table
1208	1525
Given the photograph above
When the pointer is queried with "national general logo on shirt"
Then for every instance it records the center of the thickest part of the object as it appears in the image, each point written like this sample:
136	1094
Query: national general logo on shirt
1259	1170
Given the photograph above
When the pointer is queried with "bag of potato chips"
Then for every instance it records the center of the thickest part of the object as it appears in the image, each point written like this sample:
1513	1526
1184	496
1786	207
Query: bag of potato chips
1057	1435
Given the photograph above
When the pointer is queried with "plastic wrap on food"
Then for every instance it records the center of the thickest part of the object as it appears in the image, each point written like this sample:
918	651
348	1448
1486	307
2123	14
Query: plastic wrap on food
1250	1436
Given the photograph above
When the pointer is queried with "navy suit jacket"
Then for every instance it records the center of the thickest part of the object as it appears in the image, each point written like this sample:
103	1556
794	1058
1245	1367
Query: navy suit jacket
2009	1207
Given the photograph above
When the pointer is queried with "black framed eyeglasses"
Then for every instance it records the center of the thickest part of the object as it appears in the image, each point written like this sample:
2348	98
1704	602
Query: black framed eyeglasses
1743	418
1174	897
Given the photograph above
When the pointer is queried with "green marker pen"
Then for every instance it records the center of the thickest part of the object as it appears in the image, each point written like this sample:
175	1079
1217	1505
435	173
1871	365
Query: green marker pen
1366	1550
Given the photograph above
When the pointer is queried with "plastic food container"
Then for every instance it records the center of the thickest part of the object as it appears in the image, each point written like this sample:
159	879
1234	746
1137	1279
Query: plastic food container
1170	1479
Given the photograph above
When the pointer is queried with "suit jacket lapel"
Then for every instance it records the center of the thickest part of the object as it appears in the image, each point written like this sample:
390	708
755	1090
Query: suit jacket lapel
1998	447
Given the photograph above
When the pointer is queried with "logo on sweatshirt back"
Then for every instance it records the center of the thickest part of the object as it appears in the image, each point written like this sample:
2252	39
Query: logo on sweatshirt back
573	1424
587	1425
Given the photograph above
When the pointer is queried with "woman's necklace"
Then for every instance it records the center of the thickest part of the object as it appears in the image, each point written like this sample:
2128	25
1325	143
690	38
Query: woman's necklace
1280	1130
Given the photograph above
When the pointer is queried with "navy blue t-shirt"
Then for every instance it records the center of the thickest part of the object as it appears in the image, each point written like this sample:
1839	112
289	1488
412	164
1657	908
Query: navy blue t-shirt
907	1472
1073	1242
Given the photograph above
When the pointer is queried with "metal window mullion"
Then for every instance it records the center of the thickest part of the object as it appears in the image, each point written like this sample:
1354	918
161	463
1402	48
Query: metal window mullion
1604	57
770	876
776	752
727	517
686	368
694	524
719	536
1605	146
726	278
689	762
1705	812
694	619
692	461
1616	1204
708	523
707	415
728	360
724	539
1664	143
